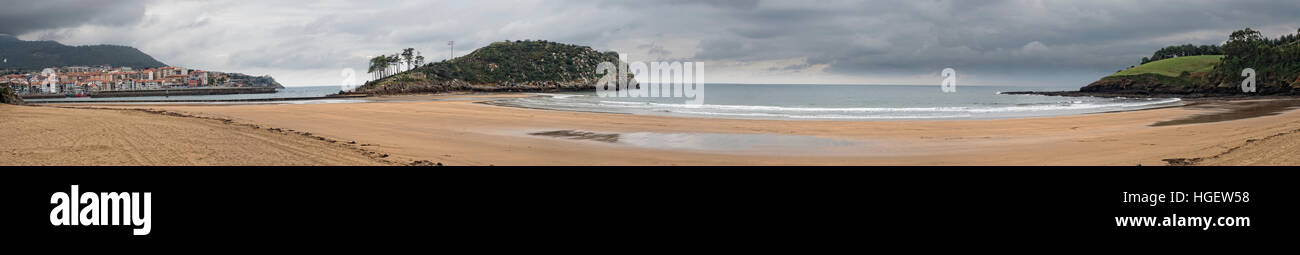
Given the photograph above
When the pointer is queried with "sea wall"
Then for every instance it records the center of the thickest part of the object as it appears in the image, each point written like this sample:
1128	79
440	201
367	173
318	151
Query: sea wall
184	92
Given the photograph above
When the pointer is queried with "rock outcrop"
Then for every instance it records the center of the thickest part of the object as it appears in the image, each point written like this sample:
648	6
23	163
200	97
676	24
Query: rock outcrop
7	96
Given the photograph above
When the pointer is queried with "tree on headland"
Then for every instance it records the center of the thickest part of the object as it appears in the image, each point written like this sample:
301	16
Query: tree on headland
1245	35
408	57
377	65
394	63
1275	60
388	65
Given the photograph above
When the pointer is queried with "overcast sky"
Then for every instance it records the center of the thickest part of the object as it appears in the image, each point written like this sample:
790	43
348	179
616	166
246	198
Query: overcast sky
1012	42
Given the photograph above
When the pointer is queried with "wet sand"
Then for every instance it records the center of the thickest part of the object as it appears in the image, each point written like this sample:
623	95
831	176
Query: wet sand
1233	110
458	130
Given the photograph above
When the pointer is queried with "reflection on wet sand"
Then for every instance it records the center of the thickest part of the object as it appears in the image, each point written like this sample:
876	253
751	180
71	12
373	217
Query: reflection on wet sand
713	142
579	135
1234	111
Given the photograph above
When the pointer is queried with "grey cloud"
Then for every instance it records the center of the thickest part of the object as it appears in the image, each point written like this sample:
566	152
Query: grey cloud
1001	40
987	36
719	4
21	16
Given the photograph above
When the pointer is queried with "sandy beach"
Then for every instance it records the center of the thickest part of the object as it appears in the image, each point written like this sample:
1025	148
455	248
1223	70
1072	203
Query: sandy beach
460	130
42	135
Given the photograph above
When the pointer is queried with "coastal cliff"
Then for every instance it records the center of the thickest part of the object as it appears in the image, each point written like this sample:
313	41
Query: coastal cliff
1207	71
1178	75
518	66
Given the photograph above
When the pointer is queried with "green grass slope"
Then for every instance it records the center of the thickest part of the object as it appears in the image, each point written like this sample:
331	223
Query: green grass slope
1174	67
1175	75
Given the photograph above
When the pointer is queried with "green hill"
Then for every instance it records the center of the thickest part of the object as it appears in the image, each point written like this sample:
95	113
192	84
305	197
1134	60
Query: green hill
1275	60
1167	76
36	55
1174	67
502	66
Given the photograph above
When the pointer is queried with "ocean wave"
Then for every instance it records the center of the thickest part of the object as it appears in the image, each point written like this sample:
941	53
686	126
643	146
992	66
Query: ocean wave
974	110
1072	105
559	96
824	116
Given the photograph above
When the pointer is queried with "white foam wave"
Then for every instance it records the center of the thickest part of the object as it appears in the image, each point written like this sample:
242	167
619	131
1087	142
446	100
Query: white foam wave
1073	105
560	96
863	113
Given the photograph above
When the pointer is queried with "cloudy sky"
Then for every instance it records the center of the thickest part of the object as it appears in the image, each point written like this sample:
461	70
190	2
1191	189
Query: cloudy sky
1011	42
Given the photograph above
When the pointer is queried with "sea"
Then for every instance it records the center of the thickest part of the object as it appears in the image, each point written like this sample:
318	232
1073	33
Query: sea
846	102
774	101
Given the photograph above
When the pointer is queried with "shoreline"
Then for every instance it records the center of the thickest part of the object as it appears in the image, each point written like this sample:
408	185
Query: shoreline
1208	96
462	130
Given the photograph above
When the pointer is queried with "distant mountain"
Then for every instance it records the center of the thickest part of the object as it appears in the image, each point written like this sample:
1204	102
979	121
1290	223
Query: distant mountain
503	67
36	55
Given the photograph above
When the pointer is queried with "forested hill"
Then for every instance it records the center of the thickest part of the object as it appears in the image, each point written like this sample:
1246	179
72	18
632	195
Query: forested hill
501	66
36	55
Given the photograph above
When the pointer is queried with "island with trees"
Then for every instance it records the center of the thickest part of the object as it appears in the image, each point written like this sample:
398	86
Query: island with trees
508	66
